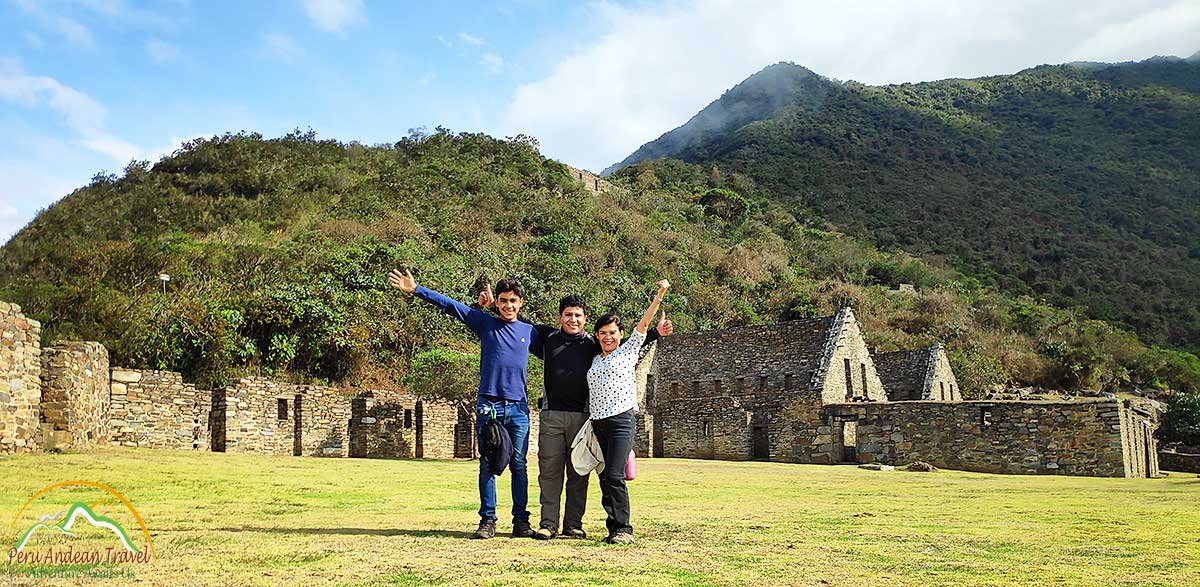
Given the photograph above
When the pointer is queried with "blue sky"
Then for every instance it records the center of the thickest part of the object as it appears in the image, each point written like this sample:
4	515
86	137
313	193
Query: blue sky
88	85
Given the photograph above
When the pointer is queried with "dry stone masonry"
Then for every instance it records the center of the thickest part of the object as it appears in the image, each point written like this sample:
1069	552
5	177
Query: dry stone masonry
156	409
806	391
809	391
75	395
20	381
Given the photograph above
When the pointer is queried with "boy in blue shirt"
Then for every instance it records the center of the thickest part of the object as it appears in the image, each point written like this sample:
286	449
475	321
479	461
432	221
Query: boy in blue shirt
504	345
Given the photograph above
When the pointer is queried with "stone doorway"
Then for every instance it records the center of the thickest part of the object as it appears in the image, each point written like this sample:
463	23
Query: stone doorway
297	438
464	434
849	444
760	446
216	421
657	450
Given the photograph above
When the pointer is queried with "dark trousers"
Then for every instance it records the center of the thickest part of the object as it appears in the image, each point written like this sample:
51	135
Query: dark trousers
615	434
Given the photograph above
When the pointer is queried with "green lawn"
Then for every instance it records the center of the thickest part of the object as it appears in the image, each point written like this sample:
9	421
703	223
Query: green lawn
224	519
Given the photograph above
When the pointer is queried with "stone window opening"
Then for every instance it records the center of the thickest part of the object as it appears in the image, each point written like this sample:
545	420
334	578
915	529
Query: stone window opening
849	380
985	417
789	380
942	393
281	409
862	367
408	418
762	382
705	428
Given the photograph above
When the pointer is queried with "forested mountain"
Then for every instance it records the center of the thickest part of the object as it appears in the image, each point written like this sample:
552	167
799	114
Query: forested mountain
1079	184
278	252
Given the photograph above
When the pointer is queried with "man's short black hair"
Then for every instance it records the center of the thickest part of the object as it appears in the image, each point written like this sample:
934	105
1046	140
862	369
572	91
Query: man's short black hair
572	301
509	284
608	319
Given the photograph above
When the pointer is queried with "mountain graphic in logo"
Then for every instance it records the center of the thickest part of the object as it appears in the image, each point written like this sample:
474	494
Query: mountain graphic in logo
77	510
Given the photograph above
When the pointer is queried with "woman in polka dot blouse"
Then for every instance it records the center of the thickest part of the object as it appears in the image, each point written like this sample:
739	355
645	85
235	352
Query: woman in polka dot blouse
612	403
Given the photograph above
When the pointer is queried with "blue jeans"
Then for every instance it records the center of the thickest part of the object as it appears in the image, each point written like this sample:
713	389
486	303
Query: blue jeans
514	416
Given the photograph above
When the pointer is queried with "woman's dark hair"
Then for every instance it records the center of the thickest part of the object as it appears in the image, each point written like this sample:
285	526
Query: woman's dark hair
571	301
510	284
606	320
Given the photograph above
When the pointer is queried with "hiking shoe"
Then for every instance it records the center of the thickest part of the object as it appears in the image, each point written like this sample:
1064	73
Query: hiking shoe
522	529
574	533
544	533
487	529
620	538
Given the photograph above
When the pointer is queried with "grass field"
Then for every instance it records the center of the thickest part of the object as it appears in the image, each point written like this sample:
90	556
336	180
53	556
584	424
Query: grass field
224	519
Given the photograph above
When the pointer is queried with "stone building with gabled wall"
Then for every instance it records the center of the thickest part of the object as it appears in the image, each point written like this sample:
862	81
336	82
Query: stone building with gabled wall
808	391
921	374
756	392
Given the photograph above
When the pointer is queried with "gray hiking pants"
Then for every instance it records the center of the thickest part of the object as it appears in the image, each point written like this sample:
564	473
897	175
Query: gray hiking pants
557	431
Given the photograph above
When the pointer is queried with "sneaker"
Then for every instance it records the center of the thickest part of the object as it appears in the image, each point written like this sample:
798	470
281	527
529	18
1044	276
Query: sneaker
620	538
544	533
522	529
487	529
574	533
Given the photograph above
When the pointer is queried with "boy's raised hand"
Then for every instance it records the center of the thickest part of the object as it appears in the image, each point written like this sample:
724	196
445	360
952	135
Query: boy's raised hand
402	281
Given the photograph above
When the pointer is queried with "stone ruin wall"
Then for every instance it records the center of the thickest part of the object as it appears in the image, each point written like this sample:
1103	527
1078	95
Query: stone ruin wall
1075	438
440	420
156	409
737	352
1184	462
386	424
717	419
270	417
20	381
75	395
848	350
940	382
260	416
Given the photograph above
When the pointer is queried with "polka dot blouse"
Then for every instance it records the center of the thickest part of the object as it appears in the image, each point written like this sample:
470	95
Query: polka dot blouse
611	384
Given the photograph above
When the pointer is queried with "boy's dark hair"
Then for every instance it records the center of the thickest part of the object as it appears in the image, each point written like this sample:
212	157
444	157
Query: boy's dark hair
509	284
571	301
606	320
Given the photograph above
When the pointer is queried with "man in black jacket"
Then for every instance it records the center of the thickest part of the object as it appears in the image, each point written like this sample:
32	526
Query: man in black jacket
567	353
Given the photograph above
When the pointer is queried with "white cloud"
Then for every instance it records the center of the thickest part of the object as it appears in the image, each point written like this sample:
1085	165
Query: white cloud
493	62
82	115
335	16
162	51
280	47
655	65
471	39
444	41
1171	30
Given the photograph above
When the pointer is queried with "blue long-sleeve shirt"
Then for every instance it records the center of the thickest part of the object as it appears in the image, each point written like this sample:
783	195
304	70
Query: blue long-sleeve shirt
503	347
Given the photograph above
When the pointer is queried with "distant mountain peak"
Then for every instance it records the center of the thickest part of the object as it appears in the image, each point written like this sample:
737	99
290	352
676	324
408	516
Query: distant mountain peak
758	97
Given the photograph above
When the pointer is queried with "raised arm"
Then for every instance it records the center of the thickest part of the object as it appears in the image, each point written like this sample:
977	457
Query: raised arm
644	323
405	283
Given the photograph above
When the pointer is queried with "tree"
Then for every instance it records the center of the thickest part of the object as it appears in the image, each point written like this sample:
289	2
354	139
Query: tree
1181	423
446	375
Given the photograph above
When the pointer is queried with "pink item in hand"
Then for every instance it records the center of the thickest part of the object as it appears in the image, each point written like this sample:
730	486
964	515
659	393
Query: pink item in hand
630	468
